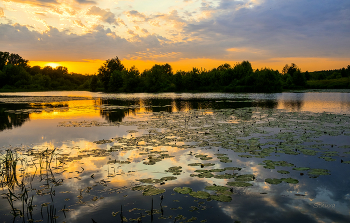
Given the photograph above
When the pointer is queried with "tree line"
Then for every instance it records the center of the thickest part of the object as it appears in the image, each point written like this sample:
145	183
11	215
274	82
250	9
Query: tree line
16	74
113	76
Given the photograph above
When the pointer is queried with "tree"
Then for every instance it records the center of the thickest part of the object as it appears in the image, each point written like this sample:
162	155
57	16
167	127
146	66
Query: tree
290	69
116	81
224	67
105	71
17	60
93	83
299	79
3	59
14	59
307	75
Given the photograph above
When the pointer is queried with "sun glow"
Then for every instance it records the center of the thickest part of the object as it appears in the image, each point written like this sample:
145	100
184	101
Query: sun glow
53	65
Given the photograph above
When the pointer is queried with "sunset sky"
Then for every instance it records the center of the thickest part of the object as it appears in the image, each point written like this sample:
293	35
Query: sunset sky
82	34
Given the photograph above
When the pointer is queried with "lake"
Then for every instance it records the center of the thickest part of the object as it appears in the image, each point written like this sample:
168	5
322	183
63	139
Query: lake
212	157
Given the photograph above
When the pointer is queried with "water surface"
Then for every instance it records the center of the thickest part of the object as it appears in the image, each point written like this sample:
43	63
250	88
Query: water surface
213	157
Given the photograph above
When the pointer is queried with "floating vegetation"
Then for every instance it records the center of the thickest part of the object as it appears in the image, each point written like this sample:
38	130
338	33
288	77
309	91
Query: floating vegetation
217	188
283	171
278	181
239	184
327	158
183	190
218	147
233	168
318	172
221	197
203	175
273	181
224	176
301	168
176	170
200	194
201	164
269	164
153	191
204	157
245	177
142	187
245	156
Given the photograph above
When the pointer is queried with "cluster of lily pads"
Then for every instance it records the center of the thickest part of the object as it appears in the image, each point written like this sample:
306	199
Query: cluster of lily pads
216	145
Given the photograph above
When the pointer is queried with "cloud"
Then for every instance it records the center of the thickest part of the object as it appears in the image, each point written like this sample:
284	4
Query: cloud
276	28
79	23
136	16
37	2
58	45
106	16
2	14
85	1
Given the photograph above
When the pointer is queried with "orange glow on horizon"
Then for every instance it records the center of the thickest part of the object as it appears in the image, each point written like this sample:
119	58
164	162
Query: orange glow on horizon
305	64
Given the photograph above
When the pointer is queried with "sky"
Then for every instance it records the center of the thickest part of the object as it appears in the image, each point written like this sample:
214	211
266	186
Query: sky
82	34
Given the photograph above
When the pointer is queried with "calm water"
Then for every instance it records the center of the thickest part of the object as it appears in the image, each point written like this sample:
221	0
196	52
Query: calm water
93	157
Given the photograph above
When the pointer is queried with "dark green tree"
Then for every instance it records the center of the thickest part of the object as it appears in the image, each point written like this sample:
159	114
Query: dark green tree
290	69
3	59
93	83
106	70
116	81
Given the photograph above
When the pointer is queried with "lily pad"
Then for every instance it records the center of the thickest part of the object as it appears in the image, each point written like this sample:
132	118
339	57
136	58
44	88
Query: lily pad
153	191
200	194
217	188
301	168
245	177
283	171
318	172
290	180
168	178
273	181
224	176
221	197
142	187
239	184
183	190
202	175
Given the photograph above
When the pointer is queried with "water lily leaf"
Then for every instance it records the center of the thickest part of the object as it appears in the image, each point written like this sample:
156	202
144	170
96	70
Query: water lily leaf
301	168
290	180
200	194
153	191
239	184
245	177
217	188
183	190
273	181
283	171
221	197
